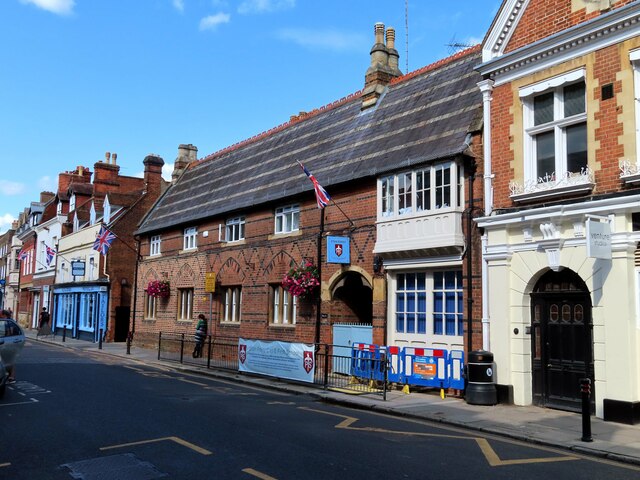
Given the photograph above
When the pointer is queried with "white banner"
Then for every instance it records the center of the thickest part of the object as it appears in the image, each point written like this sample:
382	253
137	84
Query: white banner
295	361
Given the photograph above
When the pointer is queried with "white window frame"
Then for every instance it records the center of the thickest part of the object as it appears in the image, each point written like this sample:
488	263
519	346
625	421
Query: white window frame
284	306
155	243
72	202
190	240
185	304
287	219
150	307
394	201
232	304
106	210
559	124
92	214
234	229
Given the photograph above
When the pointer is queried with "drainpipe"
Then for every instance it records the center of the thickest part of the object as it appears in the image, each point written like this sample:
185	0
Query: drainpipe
486	87
485	296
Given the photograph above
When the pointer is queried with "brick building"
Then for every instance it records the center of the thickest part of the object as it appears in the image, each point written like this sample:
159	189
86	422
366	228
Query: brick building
93	292
560	272
396	158
5	265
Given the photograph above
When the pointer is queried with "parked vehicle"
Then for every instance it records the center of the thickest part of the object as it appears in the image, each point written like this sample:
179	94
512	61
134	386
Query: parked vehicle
12	340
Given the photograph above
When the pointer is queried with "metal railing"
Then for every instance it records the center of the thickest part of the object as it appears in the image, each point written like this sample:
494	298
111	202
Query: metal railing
332	371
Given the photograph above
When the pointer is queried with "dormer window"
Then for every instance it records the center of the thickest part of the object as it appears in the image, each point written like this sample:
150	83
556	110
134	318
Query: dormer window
106	210
59	208
92	214
72	202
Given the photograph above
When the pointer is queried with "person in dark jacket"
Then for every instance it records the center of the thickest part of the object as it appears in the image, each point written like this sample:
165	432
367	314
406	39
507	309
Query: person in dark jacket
200	335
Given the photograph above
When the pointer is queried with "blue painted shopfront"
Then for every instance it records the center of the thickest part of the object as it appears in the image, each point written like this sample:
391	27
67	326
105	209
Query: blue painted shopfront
82	309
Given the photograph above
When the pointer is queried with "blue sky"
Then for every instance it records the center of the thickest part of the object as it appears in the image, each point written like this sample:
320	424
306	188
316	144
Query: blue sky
83	77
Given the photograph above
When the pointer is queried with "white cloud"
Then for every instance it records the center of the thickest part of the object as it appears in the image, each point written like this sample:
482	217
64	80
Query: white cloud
11	188
264	6
61	7
212	21
178	5
46	184
167	170
330	39
5	222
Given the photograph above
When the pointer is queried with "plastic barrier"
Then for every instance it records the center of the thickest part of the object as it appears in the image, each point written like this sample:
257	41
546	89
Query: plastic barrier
396	364
455	369
426	367
367	361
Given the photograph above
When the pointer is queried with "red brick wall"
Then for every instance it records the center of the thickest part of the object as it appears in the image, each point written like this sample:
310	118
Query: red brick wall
501	154
260	260
546	17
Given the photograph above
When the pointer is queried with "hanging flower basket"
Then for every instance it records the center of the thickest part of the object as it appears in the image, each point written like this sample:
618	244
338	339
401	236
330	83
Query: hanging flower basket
302	281
158	288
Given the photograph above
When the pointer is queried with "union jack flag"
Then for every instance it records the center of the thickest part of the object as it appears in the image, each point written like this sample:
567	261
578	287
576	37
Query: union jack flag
50	254
23	255
103	240
322	197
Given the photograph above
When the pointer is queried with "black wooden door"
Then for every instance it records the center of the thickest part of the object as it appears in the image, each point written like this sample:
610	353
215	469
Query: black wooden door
561	340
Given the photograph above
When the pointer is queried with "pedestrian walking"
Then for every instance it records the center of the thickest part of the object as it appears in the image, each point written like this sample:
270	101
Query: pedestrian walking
200	335
44	317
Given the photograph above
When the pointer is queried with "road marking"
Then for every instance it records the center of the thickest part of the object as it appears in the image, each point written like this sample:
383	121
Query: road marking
179	441
281	403
21	387
4	464
200	384
489	453
31	400
255	473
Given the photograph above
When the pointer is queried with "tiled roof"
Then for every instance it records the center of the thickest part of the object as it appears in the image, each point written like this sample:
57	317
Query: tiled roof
424	116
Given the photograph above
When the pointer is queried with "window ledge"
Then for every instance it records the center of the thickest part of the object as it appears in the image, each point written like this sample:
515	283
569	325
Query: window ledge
282	325
231	243
274	236
629	172
549	187
230	324
190	250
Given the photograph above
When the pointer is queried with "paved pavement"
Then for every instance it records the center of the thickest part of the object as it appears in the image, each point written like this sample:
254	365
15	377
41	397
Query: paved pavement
531	424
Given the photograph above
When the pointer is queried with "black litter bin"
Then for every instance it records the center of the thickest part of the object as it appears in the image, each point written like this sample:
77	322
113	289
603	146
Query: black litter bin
480	387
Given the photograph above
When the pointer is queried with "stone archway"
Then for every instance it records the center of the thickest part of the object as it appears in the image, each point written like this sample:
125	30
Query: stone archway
352	298
561	340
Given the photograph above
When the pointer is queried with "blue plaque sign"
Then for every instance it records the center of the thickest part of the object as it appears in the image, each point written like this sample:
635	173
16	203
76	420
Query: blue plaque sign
338	250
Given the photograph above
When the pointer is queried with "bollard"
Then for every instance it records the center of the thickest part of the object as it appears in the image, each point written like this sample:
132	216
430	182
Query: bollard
129	343
585	389
100	341
64	333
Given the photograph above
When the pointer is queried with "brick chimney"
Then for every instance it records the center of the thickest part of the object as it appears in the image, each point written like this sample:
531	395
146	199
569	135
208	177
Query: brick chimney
79	175
106	174
186	155
153	173
384	66
46	196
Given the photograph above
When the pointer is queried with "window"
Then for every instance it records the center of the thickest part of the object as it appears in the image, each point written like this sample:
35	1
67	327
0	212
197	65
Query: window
59	208
150	306
185	303
287	219
427	189
72	202
235	229
428	303
411	303
92	214
283	306
106	210
555	121
154	248
447	303
88	311
232	301
190	238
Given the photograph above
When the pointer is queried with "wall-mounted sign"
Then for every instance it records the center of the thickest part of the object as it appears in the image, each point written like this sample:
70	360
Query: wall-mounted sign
77	268
210	282
598	239
338	250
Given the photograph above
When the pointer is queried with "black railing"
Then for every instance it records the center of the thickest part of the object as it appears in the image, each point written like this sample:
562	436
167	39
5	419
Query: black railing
331	371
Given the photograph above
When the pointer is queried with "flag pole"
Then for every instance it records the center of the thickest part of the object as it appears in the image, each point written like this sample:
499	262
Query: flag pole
353	225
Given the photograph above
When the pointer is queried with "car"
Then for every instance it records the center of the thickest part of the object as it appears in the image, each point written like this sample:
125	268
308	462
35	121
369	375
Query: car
12	340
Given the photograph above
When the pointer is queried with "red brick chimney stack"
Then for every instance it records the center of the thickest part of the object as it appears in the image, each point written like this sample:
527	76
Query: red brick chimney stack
106	174
153	173
384	66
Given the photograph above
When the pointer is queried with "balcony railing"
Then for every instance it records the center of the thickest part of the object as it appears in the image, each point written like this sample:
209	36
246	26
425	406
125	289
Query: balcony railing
551	185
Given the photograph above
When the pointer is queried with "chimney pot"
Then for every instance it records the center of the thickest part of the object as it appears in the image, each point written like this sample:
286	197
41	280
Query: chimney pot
113	158
107	157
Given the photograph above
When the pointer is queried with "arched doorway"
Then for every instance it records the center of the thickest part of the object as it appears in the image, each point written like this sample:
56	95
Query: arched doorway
561	340
356	296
